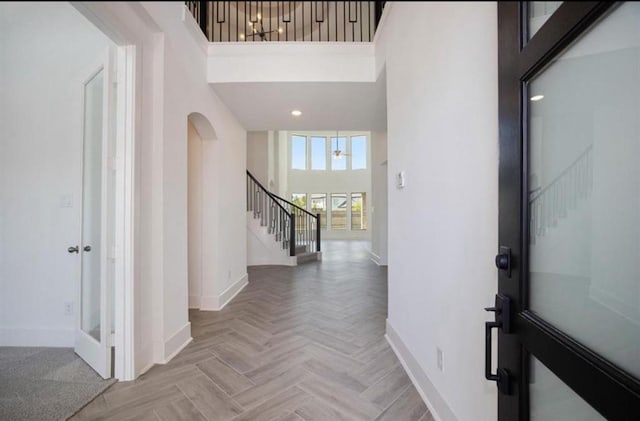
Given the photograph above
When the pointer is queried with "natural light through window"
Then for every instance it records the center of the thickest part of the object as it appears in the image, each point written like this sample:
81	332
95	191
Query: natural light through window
298	152
318	153
358	152
338	144
319	206
299	199
358	211
339	211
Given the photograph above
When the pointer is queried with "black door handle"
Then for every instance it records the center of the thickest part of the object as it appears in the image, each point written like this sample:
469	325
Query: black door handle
73	249
87	248
502	375
502	311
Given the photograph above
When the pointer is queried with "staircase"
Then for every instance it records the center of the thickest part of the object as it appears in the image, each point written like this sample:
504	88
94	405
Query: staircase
278	231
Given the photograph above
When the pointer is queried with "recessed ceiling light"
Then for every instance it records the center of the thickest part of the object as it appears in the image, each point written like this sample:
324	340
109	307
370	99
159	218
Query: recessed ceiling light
296	113
537	97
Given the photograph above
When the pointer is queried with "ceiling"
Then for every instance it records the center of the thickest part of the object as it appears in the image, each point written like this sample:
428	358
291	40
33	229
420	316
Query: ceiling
324	105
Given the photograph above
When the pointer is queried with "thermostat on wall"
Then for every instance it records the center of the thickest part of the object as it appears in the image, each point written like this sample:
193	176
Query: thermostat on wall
401	181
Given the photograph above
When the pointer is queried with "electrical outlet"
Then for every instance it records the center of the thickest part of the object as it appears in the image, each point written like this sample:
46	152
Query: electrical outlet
68	309
440	359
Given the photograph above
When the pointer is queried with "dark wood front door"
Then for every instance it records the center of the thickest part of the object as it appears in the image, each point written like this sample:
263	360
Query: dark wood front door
567	313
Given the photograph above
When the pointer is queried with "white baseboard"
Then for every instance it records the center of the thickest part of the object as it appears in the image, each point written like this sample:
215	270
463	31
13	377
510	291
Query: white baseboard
217	303
177	342
195	301
430	395
53	337
144	360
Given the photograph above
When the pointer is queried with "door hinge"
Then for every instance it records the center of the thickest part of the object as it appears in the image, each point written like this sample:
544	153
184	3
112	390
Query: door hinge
502	310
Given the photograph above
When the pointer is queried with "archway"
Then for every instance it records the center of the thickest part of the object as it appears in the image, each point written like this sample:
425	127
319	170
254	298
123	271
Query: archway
199	130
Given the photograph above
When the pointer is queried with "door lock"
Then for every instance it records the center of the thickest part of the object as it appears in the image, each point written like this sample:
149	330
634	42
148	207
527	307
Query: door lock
502	310
503	260
87	248
73	249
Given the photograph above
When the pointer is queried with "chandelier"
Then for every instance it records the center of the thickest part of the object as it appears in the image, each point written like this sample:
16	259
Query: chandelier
260	32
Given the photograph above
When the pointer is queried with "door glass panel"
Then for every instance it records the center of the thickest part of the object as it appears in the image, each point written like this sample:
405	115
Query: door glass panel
539	12
91	207
584	189
551	399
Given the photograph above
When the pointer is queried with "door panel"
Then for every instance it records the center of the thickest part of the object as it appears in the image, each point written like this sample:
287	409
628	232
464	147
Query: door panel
92	206
569	201
95	292
552	399
584	190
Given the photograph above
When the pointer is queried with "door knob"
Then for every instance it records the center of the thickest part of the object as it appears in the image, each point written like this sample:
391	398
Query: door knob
503	260
73	249
87	248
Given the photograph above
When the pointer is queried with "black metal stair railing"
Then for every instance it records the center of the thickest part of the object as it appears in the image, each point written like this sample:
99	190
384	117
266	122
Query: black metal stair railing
293	226
551	203
328	21
307	225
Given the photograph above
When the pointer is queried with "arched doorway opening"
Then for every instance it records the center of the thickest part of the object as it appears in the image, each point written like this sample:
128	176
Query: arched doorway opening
199	131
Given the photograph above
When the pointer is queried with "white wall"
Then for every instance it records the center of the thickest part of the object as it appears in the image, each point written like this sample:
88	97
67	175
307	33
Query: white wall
379	193
184	90
258	156
281	62
47	52
442	95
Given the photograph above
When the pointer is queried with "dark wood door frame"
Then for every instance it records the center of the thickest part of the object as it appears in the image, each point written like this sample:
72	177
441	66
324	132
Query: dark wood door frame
610	390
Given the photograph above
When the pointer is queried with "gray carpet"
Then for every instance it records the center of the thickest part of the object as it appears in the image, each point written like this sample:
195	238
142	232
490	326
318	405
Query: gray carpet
45	384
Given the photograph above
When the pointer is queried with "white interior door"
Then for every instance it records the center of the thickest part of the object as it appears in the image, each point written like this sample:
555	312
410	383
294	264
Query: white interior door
93	337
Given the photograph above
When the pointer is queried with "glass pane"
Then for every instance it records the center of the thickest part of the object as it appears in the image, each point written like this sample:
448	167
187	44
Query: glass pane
91	207
539	12
319	206
551	399
339	211
584	198
338	149
318	153
298	152
299	199
358	152
358	211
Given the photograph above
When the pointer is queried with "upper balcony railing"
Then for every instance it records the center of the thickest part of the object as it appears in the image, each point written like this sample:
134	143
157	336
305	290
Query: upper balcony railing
248	21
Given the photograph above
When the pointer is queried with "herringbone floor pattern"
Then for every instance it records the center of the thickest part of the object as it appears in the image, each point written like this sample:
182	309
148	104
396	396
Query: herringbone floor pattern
302	343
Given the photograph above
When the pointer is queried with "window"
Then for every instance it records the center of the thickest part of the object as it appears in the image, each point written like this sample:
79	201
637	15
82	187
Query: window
358	211
338	144
318	153
298	153
338	211
358	152
319	206
299	199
